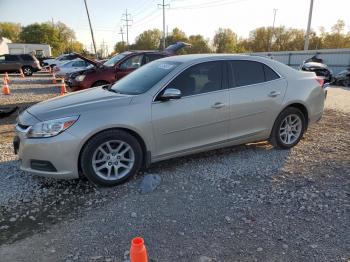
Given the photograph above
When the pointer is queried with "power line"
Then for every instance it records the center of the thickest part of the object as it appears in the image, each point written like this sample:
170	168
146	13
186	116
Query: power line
209	4
127	25
122	33
163	6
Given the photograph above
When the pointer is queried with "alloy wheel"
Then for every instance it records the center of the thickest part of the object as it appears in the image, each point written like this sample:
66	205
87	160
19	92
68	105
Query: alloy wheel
290	129
113	160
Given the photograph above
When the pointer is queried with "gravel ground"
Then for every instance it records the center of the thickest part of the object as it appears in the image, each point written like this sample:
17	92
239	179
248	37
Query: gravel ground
244	203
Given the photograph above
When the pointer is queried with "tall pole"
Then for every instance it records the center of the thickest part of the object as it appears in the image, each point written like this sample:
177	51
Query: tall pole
163	25
273	28
122	33
306	44
127	25
92	33
163	5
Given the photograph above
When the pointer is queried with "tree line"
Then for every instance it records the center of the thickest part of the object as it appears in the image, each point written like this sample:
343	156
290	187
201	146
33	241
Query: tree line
62	39
261	39
59	36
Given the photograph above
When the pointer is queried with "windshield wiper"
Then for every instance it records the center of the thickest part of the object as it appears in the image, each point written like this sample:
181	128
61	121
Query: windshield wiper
110	89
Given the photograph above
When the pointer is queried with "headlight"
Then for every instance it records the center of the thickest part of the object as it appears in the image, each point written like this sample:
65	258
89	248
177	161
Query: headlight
80	78
51	127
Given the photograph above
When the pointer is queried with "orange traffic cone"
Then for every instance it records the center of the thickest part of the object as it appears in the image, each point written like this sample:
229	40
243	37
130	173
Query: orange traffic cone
138	252
7	77
63	87
5	88
54	78
21	73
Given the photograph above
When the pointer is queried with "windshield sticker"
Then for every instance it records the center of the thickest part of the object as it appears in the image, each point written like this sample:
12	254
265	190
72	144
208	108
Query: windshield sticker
165	66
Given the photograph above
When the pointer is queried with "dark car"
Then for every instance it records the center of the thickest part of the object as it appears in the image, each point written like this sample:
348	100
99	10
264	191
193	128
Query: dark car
14	63
319	69
117	67
342	78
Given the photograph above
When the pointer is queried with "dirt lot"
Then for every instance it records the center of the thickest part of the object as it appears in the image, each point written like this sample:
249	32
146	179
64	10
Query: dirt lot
245	203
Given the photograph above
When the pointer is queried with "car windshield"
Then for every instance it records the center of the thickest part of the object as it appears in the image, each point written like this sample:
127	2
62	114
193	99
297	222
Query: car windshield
144	78
115	59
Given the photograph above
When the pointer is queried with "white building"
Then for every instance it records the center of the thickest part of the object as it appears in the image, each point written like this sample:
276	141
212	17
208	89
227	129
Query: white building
39	50
3	45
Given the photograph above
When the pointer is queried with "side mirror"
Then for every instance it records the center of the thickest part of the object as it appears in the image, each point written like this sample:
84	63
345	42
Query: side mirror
170	93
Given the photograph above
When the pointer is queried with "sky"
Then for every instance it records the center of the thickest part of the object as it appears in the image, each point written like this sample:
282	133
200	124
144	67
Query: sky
192	16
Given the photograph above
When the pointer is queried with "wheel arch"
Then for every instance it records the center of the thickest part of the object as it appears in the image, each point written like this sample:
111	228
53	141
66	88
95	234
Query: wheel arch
302	108
146	153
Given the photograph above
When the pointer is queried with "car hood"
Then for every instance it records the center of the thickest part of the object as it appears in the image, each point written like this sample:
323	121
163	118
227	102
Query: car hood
93	62
76	103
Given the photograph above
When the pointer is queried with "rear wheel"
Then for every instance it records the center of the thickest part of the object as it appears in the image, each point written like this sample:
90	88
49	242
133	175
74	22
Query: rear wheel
27	70
346	82
111	157
288	129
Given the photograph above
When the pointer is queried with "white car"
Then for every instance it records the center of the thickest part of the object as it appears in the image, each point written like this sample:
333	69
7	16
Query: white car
66	68
59	60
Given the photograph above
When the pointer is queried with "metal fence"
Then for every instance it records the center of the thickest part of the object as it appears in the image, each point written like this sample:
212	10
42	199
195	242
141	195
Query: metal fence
336	59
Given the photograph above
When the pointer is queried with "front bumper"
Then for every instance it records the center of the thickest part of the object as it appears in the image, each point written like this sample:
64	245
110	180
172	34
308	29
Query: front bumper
61	151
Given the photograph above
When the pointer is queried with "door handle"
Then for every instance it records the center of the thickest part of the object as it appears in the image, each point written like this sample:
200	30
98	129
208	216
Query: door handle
218	105
274	94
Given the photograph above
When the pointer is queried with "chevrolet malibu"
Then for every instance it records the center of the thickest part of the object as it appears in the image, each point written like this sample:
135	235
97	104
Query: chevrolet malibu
168	108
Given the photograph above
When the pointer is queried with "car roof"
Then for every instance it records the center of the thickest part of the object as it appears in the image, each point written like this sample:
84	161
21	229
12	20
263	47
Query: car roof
187	58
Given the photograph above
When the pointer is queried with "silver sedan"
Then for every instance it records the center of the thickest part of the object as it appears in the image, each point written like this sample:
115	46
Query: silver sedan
171	107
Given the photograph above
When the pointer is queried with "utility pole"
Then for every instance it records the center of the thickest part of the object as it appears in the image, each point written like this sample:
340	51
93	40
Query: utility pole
92	33
122	33
127	25
306	44
273	28
163	6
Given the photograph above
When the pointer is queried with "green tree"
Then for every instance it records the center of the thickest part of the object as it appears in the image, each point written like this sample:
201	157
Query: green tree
59	36
176	35
225	41
10	30
199	45
148	40
120	47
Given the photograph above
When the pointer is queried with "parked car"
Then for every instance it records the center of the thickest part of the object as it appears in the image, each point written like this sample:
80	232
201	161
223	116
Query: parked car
14	63
319	69
59	60
171	107
63	70
342	78
117	67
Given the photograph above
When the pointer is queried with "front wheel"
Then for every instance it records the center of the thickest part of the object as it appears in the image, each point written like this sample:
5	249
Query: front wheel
111	157
27	70
288	129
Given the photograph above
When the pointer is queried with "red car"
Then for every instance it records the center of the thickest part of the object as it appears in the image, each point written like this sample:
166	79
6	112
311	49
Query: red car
117	67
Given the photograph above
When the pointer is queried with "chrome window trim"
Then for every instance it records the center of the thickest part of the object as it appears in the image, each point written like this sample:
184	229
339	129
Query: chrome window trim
221	59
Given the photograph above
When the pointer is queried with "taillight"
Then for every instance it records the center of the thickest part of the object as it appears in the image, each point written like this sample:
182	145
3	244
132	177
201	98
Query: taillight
320	81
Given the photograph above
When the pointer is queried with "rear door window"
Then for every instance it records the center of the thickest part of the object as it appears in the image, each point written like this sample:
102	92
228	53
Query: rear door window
245	72
151	57
11	58
27	57
270	74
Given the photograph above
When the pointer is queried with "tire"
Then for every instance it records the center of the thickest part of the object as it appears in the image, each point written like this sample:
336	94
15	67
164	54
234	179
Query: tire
282	128
27	70
103	168
346	83
99	83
